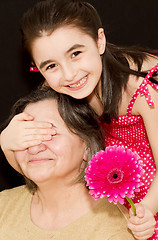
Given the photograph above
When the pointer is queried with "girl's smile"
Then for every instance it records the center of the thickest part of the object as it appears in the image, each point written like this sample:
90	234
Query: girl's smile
69	60
78	84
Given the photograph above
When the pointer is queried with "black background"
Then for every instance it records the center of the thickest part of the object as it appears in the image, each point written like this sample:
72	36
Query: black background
132	22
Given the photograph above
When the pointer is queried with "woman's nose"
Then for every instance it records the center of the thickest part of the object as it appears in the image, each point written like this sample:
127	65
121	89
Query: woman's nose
36	149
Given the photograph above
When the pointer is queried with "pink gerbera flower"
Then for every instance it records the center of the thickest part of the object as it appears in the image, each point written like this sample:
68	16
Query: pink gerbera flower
114	173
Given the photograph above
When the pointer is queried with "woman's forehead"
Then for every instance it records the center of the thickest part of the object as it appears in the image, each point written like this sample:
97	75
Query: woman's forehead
43	110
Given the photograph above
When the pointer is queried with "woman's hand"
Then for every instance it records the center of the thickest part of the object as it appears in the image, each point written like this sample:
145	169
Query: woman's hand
143	224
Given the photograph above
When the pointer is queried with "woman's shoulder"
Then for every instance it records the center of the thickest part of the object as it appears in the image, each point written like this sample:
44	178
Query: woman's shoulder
105	210
13	195
13	191
111	219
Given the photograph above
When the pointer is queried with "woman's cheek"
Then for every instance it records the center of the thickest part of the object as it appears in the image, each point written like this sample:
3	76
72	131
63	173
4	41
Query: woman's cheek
20	156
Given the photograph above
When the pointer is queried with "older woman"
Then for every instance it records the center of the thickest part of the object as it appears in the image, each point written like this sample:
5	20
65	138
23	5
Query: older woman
55	203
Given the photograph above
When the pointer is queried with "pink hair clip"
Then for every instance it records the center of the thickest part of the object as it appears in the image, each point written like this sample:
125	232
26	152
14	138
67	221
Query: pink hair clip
34	69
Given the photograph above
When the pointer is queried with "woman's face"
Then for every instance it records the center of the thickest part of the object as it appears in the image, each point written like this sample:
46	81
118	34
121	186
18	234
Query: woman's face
59	158
70	60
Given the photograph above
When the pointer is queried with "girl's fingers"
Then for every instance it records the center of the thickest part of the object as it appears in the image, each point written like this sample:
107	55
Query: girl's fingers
40	131
33	140
143	235
36	124
30	143
23	117
140	211
134	220
23	132
37	137
142	238
149	225
26	121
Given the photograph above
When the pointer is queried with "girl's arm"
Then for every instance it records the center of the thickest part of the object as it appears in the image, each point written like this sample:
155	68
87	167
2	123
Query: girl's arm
21	133
143	224
150	117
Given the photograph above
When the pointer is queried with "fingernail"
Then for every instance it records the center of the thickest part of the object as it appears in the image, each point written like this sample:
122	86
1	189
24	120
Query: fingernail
53	131
47	137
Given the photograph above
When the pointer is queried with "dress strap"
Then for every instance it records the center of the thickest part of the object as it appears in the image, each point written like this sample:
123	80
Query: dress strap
143	90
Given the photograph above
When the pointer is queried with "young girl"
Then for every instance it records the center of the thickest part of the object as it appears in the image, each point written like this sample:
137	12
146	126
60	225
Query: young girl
67	45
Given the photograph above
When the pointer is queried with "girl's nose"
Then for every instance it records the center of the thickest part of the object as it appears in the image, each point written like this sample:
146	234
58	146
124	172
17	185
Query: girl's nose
68	72
36	149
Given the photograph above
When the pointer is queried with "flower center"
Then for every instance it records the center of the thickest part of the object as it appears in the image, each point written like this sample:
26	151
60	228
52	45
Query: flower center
115	175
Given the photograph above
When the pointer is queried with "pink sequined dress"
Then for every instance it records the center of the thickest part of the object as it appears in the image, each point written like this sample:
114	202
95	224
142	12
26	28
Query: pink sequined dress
129	131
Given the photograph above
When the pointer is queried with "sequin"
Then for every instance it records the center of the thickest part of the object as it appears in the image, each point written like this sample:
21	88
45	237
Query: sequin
129	131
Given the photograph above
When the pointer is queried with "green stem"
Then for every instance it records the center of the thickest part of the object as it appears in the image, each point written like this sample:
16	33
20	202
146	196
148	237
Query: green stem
132	205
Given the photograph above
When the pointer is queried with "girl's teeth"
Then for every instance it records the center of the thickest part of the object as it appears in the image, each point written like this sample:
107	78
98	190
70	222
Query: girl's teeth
80	83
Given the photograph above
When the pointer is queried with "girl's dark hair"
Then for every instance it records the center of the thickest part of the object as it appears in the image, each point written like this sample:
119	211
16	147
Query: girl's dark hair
48	15
79	117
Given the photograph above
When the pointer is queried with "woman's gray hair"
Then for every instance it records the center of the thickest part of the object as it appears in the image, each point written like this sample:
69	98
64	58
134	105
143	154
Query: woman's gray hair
78	116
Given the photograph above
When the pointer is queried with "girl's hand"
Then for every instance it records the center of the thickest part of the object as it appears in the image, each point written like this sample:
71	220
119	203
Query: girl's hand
143	224
22	132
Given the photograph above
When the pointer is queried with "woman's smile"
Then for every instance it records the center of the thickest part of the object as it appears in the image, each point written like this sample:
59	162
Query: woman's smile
54	158
40	160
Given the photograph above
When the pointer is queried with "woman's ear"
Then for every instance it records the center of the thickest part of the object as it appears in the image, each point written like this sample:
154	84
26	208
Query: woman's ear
85	155
101	42
84	160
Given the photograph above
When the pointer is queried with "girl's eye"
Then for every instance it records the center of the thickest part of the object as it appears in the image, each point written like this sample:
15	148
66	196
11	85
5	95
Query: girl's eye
76	54
51	66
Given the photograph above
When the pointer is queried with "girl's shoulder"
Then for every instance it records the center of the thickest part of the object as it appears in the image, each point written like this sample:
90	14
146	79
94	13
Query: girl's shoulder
149	63
135	84
147	92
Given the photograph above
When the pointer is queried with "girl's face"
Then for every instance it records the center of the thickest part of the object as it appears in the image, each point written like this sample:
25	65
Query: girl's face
57	159
70	60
